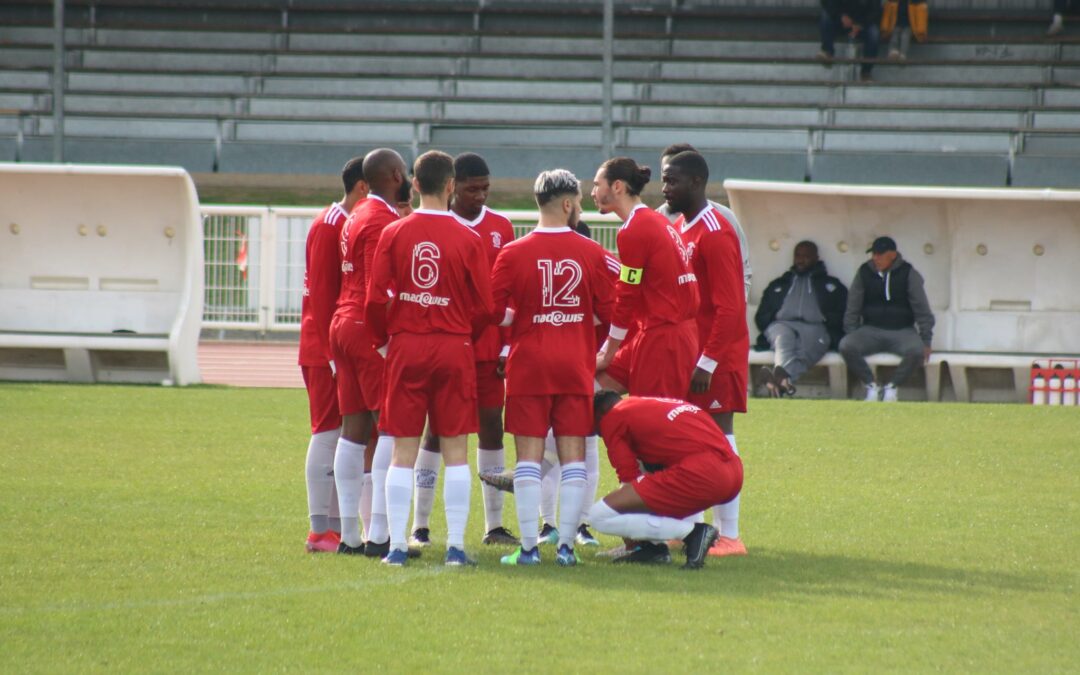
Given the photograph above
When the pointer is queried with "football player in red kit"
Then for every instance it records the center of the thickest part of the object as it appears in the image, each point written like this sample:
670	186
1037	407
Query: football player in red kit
428	262
673	462
558	283
656	291
719	380
472	183
360	368
322	283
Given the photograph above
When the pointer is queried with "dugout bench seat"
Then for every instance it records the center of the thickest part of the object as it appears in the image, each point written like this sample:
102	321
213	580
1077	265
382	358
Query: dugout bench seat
101	274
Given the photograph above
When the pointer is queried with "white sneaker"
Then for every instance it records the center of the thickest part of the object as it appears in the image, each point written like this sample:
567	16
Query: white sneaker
889	394
873	392
1056	26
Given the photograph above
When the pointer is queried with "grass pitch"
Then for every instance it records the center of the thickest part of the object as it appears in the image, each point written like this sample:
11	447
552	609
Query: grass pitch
149	529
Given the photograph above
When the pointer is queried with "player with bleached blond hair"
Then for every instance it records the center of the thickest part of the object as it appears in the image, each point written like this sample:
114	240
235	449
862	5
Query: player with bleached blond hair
558	284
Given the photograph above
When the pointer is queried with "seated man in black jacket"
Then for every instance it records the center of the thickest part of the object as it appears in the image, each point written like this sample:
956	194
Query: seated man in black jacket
800	317
857	19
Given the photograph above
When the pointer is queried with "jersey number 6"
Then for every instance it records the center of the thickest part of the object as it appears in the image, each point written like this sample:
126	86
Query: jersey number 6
425	264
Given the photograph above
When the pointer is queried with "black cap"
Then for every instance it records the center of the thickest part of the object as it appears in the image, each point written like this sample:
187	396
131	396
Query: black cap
882	244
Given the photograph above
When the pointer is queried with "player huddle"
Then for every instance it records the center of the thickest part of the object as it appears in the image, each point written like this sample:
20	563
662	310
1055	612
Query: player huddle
438	319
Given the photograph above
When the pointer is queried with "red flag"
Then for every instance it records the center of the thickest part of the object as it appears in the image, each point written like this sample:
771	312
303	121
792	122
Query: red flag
242	255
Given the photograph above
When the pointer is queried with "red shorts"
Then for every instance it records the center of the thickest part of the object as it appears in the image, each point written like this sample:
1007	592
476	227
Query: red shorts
699	481
430	377
565	414
658	361
490	388
726	394
322	398
359	367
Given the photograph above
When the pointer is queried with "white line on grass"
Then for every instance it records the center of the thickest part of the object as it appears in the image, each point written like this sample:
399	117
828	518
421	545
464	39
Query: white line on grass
222	597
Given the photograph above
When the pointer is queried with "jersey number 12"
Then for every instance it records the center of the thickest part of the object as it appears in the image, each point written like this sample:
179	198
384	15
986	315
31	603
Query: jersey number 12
565	272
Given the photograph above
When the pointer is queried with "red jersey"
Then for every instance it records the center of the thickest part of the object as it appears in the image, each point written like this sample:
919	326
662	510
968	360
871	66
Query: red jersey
712	245
496	231
658	431
559	284
351	255
429	260
656	285
322	283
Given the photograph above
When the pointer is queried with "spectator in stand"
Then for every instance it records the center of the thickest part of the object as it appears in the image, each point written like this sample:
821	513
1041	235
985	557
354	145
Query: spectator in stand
800	317
886	303
1057	24
901	19
858	19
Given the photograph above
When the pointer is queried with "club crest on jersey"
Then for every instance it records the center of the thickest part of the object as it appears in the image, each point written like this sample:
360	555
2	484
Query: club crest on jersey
558	318
496	239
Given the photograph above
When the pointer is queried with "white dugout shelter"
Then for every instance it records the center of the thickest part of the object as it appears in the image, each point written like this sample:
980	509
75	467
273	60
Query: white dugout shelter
101	273
1002	267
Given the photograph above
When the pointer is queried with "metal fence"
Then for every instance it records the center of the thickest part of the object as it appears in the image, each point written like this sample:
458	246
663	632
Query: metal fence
254	262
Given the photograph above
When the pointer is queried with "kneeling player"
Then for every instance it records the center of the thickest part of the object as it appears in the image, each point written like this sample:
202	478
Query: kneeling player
673	462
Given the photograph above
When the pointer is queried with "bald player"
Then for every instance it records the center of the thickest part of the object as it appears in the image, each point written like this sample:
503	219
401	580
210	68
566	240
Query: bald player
360	368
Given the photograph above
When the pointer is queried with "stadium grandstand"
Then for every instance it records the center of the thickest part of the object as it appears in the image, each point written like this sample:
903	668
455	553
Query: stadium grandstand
272	86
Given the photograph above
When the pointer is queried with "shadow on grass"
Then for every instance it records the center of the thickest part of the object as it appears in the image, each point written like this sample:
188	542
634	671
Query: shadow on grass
775	572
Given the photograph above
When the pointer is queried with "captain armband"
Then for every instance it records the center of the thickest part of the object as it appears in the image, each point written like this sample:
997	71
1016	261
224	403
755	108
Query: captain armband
630	275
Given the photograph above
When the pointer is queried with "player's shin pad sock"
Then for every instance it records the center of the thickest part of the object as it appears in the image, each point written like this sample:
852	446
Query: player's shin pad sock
349	476
365	504
592	471
491	460
549	482
457	487
399	487
333	523
427	474
572	493
319	473
380	463
726	516
527	500
638	526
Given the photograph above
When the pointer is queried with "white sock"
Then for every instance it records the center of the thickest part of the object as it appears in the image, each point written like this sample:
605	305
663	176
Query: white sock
333	523
638	526
319	472
349	477
549	481
592	471
572	485
727	515
457	488
527	499
427	474
380	463
493	460
399	487
365	504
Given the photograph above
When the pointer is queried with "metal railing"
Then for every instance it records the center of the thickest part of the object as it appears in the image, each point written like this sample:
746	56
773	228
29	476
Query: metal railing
254	260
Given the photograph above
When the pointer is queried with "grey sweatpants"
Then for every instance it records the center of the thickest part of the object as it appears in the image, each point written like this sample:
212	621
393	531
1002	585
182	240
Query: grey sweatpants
798	345
865	340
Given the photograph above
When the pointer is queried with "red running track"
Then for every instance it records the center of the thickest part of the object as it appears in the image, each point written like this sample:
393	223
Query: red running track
250	364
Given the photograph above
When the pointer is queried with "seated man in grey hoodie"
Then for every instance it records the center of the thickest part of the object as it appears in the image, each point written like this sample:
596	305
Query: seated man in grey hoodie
886	304
800	317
